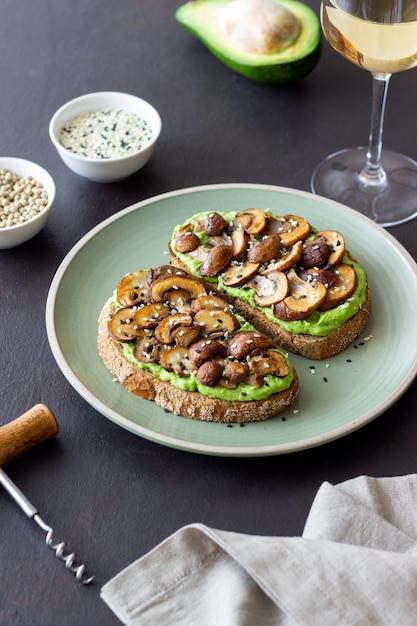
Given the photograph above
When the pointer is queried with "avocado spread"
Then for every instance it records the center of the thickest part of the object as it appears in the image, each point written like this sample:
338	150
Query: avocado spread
243	392
318	324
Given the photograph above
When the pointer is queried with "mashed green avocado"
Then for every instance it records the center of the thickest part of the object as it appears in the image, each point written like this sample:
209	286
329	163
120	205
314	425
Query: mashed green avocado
242	393
318	324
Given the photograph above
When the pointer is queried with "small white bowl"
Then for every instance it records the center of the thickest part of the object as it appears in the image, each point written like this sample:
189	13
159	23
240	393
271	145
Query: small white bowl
11	236
111	169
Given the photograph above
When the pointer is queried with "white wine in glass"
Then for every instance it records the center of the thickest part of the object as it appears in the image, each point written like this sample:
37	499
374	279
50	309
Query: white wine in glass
379	36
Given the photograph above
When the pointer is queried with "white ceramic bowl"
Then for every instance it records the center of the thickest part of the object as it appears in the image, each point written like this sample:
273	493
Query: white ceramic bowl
111	169
11	236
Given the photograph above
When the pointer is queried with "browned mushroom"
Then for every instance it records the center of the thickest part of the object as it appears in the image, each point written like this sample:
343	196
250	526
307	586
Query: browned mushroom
315	253
274	225
217	259
237	274
176	360
186	241
133	288
265	250
325	275
245	342
218	240
198	224
215	224
341	289
147	349
336	242
161	286
304	298
216	322
287	257
294	229
240	241
209	373
233	374
240	222
209	302
199	254
269	362
164	270
270	288
252	220
206	350
122	325
150	315
179	300
163	331
186	335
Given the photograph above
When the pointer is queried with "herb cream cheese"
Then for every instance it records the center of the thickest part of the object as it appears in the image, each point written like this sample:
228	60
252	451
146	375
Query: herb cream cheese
105	134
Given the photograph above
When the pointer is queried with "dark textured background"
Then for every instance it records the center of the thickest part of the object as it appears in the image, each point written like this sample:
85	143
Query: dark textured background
111	495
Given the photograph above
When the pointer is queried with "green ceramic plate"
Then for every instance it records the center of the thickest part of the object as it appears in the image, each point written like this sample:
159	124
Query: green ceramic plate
336	396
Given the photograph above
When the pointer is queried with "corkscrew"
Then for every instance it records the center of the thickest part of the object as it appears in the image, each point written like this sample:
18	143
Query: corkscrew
34	426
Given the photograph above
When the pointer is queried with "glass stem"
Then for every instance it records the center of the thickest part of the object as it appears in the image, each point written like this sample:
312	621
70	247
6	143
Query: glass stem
373	174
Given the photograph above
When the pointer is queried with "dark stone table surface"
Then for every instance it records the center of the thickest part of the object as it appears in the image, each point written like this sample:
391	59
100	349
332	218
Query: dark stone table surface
111	495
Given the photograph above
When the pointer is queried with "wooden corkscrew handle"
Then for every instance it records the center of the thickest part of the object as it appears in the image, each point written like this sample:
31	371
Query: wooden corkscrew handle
36	425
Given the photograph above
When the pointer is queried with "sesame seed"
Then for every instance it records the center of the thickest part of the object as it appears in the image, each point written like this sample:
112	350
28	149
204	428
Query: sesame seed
105	134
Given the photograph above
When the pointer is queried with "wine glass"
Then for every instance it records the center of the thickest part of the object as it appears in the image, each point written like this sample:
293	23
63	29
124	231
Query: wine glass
381	37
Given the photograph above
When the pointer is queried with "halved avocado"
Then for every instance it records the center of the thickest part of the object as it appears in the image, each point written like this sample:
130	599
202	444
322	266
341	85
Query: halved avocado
272	41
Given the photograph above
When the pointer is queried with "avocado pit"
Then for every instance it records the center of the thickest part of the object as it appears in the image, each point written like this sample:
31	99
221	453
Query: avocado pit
260	26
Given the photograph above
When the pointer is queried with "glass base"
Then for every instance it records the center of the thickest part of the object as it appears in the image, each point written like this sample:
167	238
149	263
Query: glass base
337	177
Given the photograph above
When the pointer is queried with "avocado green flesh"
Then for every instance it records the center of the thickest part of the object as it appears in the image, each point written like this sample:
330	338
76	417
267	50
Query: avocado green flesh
319	323
242	393
289	64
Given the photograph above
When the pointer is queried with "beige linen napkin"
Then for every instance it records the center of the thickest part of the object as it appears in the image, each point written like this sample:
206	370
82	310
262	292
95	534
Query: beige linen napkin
356	564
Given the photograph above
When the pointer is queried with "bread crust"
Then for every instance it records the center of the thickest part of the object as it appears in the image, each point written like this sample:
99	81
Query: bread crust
309	346
190	404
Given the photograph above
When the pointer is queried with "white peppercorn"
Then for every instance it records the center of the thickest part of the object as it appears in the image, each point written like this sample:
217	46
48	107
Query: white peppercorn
21	198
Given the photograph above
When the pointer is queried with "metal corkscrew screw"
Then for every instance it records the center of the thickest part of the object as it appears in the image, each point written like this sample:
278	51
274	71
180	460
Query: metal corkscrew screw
34	426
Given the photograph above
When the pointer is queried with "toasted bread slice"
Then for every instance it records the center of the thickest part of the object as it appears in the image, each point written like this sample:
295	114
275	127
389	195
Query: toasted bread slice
237	263
195	404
